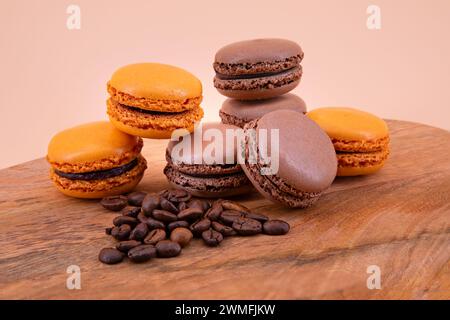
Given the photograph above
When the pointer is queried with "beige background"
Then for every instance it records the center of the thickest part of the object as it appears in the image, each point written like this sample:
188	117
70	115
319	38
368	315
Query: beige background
53	78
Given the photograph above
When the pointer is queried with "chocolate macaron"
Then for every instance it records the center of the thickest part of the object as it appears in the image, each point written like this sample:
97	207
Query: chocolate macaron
306	159
152	100
95	160
239	112
258	69
204	166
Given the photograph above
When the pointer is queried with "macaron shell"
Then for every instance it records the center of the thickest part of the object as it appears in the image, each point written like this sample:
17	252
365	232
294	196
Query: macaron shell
92	142
361	163
156	81
258	50
146	133
358	171
343	123
307	159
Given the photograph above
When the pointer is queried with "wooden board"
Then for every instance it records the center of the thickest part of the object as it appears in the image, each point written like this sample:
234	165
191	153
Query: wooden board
397	219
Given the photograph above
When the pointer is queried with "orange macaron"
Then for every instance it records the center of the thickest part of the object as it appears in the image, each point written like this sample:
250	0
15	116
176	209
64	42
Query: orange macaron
152	100
95	160
361	139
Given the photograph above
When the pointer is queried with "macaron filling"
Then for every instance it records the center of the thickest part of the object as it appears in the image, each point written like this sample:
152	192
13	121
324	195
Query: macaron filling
100	174
223	76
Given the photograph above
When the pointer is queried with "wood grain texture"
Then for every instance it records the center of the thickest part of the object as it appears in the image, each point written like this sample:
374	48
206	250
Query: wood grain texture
398	219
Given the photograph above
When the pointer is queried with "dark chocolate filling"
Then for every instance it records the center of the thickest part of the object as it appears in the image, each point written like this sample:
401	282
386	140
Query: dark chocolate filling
156	113
100	174
222	76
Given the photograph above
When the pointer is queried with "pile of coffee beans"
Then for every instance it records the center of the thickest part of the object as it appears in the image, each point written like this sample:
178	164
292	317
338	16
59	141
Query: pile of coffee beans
161	224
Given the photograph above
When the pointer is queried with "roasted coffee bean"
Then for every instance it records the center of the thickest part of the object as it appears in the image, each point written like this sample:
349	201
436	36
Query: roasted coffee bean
122	232
108	231
124	246
110	256
181	235
154	236
214	212
136	198
257	216
141	217
199	226
276	227
247	227
164	216
229	216
163	193
131	212
230	205
150	203
114	203
178	195
181	206
223	229
212	238
142	253
167	249
190	214
168	206
140	232
199	203
177	224
120	220
154	224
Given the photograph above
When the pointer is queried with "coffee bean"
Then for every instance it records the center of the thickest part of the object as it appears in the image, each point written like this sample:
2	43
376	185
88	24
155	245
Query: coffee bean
154	224
110	256
150	203
131	212
199	203
139	232
230	205
199	226
124	246
229	216
223	229
141	217
120	220
114	203
163	193
190	214
154	236
168	249
178	195
276	227
168	206
181	235
136	198
122	232
257	216
212	238
214	212
181	206
142	253
177	224
247	227
108	231
164	216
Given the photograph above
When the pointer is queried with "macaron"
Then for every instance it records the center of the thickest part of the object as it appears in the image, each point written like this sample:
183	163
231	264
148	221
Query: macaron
258	69
95	160
152	100
306	159
361	139
239	112
196	164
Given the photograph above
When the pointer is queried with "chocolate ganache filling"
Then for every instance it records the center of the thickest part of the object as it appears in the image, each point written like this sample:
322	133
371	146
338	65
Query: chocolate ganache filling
100	174
255	75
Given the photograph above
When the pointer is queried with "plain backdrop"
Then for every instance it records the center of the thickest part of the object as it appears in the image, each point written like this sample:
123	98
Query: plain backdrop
53	78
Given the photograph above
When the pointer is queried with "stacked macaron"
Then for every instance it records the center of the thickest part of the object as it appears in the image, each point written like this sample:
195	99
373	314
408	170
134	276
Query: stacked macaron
256	75
152	100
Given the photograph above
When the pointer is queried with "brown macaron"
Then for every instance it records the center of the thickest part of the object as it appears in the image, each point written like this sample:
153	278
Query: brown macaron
239	112
258	69
202	171
307	162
